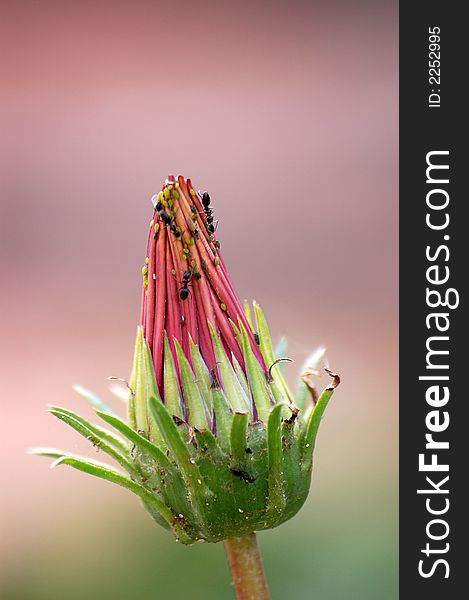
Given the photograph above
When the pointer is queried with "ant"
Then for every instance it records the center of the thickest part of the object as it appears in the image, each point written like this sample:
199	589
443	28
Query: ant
206	199
186	277
208	212
174	230
184	291
242	475
165	217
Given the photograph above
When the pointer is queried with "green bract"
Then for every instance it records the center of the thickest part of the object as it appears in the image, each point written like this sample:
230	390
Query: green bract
240	460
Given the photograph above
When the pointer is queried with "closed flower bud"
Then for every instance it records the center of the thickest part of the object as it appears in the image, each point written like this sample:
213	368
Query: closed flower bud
215	443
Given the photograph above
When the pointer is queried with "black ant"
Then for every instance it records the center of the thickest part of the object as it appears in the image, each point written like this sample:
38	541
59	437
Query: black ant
186	277
174	230
206	199
165	217
208	212
184	291
242	475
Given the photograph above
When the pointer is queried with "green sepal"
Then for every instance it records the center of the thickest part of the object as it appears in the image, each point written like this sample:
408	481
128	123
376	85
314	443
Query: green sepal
163	477
219	507
275	454
94	438
93	399
172	396
230	383
237	332
247	314
180	452
238	442
136	438
143	386
242	379
150	389
140	385
49	452
279	388
202	374
206	441
256	378
312	426
158	509
281	349
302	394
195	404
104	434
119	392
131	408
296	482
223	418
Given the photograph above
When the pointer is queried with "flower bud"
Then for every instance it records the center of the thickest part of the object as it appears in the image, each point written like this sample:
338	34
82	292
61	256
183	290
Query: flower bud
215	445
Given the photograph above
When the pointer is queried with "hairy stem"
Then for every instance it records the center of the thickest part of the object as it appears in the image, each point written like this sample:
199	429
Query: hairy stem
246	568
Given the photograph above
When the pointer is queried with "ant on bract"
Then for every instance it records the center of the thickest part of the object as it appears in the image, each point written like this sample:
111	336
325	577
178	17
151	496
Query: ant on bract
184	291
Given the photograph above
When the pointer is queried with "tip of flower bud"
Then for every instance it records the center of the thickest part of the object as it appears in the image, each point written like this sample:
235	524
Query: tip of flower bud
186	287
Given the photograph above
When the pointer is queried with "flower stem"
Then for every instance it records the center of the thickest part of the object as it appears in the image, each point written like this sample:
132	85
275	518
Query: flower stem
246	568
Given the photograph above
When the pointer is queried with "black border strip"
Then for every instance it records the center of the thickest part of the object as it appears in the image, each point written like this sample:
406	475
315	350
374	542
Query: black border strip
425	128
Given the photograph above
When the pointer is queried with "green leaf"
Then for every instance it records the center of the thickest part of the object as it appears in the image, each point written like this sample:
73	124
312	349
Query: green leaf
231	386
93	399
195	405
93	437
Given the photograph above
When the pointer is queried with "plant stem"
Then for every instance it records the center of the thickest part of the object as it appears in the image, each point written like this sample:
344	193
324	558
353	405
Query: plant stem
246	568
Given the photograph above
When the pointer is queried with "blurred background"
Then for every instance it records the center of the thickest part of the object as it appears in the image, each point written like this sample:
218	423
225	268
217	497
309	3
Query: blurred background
287	113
